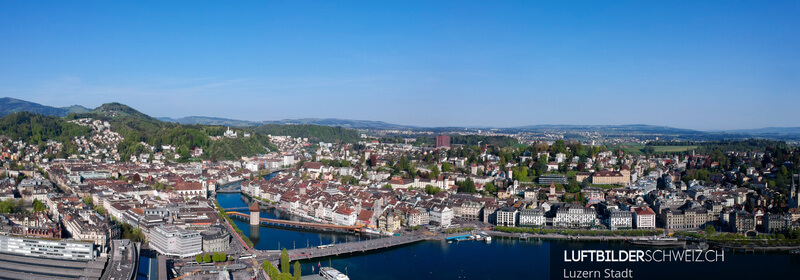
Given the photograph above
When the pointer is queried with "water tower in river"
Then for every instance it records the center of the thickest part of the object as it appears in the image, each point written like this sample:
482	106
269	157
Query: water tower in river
255	214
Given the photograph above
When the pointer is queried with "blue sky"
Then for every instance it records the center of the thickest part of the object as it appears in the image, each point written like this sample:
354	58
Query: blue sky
688	64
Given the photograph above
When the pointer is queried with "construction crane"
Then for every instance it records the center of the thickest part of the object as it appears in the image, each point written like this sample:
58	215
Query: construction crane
185	275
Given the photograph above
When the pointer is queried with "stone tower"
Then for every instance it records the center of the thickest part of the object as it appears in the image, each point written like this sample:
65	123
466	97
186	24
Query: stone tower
255	214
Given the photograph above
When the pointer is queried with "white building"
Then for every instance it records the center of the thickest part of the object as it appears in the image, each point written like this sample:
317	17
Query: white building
441	215
172	241
344	216
532	217
507	216
575	217
44	248
620	220
644	217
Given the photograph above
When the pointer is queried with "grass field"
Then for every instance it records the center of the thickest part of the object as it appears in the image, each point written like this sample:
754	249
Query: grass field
630	148
673	149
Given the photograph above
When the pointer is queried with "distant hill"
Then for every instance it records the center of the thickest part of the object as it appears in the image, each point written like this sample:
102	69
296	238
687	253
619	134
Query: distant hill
615	128
769	131
117	110
77	109
129	119
210	121
355	124
10	105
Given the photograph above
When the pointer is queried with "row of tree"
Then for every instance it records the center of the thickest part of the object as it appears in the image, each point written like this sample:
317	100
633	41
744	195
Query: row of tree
207	258
284	273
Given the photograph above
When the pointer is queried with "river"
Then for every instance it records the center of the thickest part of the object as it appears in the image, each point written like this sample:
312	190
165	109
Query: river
500	259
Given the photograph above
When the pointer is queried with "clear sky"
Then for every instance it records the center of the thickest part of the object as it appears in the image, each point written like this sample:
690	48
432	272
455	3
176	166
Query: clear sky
709	66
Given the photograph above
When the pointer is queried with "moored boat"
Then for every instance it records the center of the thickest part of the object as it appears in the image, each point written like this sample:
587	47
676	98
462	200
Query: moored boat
658	242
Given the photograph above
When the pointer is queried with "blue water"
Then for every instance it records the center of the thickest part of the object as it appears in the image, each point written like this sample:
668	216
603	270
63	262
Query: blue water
148	268
502	259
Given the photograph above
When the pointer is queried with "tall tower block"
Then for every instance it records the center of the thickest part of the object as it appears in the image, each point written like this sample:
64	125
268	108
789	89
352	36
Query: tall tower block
255	214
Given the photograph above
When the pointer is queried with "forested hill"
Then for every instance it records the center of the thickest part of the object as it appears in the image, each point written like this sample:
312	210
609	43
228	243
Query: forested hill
312	132
37	129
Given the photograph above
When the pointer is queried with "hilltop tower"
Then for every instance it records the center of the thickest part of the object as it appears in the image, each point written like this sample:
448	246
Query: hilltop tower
255	214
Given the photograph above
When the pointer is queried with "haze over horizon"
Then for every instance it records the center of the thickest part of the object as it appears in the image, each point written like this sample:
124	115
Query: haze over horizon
703	66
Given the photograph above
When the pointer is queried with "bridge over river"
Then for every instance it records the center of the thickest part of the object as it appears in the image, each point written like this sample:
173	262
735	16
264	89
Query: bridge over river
297	224
355	247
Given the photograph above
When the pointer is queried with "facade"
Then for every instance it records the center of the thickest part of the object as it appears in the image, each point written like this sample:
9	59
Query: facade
609	178
580	176
532	217
742	222
620	220
51	249
547	179
644	218
684	219
345	216
216	239
442	141
389	221
507	216
441	215
470	210
177	242
572	216
775	222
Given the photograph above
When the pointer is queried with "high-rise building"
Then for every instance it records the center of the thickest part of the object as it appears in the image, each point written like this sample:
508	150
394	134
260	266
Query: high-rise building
442	141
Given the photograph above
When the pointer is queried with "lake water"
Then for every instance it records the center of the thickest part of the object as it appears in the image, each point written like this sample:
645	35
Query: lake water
501	259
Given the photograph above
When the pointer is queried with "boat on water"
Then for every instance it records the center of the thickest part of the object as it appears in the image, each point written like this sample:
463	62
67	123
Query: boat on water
658	242
331	273
696	246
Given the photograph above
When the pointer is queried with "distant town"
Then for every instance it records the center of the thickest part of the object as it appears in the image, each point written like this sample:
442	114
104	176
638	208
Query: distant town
92	205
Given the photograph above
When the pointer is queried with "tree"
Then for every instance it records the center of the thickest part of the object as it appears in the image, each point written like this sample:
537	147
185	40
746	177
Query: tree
434	172
199	258
573	186
272	272
490	188
710	230
207	258
446	167
432	190
284	261
88	200
298	272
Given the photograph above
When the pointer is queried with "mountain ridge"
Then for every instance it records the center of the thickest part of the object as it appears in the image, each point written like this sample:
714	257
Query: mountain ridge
10	105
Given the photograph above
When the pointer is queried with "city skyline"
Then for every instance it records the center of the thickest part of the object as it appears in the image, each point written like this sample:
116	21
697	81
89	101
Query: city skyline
687	65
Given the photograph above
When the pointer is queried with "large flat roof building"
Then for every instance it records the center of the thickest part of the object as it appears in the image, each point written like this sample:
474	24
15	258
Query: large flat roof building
44	248
173	241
